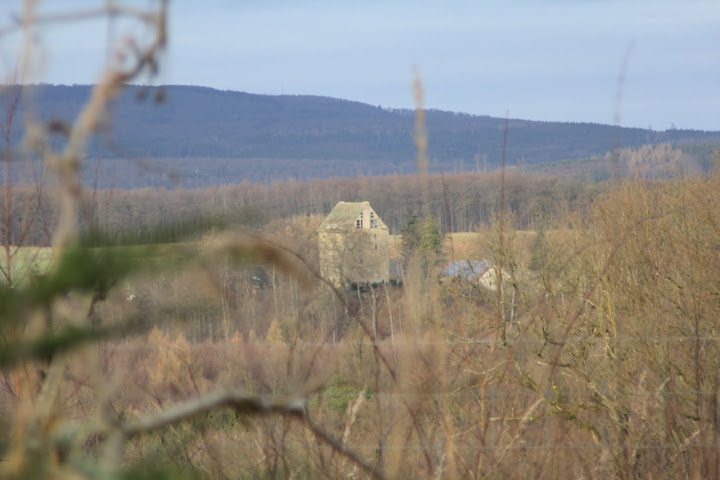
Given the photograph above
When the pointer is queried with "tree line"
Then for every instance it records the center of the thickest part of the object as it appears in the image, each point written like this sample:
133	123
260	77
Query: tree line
459	202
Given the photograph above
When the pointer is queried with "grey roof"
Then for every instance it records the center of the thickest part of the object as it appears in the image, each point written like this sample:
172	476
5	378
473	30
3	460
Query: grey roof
466	269
344	215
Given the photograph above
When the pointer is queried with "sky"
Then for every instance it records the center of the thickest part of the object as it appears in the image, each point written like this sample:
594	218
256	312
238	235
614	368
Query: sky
643	63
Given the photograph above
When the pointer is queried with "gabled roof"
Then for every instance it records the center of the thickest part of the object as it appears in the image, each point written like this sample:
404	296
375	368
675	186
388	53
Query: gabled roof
344	215
466	269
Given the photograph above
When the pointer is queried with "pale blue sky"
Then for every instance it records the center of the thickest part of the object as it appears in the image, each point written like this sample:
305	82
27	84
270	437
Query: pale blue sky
541	60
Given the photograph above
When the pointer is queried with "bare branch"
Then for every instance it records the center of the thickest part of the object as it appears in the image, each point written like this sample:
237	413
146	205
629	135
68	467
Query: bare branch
246	404
237	400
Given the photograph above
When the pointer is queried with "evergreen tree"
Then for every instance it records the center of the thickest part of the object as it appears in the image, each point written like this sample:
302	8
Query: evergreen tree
411	238
431	242
422	239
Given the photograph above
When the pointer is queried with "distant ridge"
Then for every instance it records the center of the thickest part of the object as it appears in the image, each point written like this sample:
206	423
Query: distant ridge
290	136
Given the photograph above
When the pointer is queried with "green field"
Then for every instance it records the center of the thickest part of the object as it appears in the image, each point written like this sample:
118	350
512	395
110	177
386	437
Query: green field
29	261
26	261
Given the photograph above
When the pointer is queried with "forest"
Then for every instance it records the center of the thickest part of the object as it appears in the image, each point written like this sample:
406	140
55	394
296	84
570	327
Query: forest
459	203
207	137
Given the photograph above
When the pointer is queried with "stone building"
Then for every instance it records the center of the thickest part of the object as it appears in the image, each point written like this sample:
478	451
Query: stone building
354	246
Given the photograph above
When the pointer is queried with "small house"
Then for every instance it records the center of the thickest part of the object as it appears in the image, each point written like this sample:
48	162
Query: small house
478	272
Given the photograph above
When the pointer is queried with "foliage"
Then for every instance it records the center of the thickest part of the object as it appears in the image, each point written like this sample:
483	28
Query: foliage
431	242
338	395
411	238
422	239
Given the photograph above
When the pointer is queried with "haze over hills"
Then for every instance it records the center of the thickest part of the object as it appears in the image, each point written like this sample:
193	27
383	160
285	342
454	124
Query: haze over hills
207	136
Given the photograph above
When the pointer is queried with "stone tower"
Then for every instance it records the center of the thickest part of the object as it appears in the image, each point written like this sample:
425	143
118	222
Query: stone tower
354	246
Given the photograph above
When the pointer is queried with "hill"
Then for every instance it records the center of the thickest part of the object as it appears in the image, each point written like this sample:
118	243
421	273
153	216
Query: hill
209	136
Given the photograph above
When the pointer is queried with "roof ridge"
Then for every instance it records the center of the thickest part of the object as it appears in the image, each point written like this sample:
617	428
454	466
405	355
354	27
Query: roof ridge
344	215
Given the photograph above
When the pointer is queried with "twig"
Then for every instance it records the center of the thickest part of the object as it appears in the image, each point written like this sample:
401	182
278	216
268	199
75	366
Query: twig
237	400
243	403
339	448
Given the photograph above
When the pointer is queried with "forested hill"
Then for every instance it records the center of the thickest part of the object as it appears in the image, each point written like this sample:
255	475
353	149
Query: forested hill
264	136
